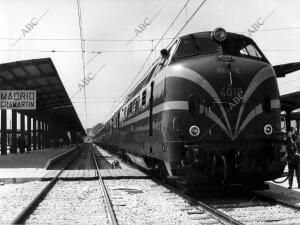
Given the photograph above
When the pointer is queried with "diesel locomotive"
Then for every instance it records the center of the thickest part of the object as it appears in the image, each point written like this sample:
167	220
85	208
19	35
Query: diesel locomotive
207	111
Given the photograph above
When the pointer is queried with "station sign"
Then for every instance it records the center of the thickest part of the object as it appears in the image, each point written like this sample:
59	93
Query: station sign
18	99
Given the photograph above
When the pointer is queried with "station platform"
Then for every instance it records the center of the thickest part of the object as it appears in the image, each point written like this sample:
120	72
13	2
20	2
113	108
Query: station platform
19	168
16	168
281	193
34	159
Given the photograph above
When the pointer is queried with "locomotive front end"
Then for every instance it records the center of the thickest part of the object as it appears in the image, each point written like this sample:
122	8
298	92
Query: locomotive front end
224	125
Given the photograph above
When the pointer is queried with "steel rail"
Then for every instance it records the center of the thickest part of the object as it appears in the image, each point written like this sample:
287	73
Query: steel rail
112	216
216	214
277	201
26	212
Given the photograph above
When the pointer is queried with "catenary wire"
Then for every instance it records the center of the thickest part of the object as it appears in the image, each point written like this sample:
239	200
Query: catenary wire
82	56
148	57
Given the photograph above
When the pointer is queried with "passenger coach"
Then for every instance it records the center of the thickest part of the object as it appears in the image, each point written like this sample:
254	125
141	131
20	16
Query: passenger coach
208	110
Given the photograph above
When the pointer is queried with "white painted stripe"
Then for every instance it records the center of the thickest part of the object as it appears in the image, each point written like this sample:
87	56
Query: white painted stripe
175	105
275	104
261	76
170	105
257	110
183	105
136	118
188	74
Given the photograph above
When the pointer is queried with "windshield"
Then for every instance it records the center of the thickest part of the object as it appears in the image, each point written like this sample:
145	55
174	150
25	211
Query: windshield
240	47
190	46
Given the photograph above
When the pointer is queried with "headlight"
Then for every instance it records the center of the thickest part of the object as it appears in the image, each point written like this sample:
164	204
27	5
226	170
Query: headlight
219	34
268	129
194	131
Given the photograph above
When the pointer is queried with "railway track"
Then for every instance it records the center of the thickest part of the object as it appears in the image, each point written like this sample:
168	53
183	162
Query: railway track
249	208
196	212
213	212
63	202
143	201
112	216
28	210
257	210
254	209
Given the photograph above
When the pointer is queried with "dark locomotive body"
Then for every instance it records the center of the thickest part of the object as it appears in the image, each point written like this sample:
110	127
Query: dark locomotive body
207	111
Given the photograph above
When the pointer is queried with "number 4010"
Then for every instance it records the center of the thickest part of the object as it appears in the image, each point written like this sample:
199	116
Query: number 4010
231	92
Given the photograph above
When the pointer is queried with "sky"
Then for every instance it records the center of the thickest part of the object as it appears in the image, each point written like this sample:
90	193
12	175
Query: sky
35	29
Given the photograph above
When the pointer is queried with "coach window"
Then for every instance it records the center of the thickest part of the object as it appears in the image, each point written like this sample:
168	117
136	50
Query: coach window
137	103
115	123
118	121
129	113
125	113
144	95
134	107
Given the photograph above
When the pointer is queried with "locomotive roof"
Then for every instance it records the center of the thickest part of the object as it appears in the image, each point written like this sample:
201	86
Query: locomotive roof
207	34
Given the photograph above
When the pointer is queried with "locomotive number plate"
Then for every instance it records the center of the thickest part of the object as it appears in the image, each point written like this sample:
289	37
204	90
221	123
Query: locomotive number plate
231	92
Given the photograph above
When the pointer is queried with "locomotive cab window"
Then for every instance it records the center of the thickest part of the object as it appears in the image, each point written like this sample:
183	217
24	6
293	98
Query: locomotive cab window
243	47
191	46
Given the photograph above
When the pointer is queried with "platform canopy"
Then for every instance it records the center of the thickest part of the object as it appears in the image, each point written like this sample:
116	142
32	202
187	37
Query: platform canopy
52	99
290	102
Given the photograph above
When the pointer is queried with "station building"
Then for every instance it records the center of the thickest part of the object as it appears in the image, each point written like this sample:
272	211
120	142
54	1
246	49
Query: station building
51	118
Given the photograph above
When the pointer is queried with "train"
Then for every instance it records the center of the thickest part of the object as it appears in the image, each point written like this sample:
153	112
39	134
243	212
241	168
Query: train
207	111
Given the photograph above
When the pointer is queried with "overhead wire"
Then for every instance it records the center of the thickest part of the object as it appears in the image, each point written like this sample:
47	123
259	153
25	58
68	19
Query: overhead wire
163	36
271	29
186	23
126	40
148	57
98	53
75	51
117	51
86	40
121	40
73	96
82	56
